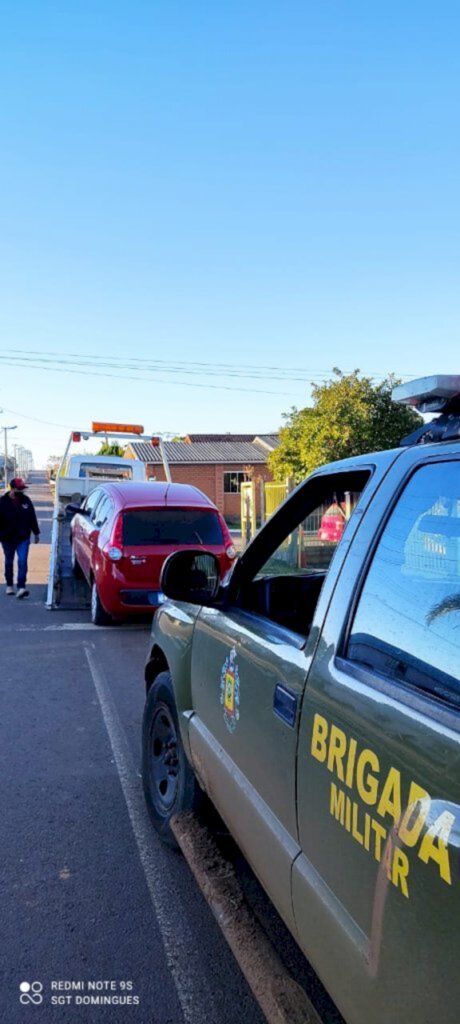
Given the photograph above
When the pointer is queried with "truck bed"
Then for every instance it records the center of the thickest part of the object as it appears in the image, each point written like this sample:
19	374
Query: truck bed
71	593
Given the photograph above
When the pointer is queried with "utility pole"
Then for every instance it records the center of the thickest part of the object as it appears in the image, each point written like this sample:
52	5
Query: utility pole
16	471
5	448
20	452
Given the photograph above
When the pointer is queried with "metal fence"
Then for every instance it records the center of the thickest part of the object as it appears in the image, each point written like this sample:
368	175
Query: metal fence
274	495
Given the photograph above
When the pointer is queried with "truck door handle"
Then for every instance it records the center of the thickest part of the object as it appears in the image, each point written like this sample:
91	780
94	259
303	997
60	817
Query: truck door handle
285	704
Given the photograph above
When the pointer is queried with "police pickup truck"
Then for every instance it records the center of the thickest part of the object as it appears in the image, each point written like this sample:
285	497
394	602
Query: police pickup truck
314	695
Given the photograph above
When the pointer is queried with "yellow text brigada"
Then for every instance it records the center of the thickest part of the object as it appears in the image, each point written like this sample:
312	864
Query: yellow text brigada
404	807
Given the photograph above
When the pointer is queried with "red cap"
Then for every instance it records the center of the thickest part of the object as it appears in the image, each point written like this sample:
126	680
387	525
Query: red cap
17	484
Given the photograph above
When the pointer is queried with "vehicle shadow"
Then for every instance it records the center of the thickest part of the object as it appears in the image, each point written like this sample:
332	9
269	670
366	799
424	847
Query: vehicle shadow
13	610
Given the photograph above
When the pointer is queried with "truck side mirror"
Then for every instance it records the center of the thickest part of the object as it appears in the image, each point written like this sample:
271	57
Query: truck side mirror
192	576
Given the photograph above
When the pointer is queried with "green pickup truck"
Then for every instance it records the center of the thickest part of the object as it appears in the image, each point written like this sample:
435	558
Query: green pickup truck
314	695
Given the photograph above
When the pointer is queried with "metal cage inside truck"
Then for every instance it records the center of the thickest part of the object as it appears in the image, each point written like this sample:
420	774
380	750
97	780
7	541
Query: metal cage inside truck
77	476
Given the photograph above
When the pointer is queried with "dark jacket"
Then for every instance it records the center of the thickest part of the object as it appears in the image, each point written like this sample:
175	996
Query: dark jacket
17	520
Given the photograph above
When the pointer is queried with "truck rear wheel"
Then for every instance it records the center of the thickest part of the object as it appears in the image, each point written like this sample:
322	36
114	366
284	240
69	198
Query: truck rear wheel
99	616
170	786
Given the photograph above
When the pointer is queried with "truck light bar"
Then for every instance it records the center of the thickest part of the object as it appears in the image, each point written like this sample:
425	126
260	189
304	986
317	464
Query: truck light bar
117	428
428	394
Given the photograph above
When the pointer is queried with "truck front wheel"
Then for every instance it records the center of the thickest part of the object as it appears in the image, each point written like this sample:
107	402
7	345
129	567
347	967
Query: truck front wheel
170	786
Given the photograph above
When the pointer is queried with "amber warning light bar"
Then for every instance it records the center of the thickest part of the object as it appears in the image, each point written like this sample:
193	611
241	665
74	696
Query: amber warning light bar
117	428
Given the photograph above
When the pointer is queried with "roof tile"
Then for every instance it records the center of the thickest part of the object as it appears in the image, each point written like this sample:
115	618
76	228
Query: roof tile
179	452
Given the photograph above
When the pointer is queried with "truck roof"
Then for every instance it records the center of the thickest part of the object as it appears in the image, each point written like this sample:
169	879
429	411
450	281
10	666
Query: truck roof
356	461
385	458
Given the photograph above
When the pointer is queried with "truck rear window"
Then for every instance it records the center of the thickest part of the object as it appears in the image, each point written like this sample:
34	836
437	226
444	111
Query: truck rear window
105	472
171	526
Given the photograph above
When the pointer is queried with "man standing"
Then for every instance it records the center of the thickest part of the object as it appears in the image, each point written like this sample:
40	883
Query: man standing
17	521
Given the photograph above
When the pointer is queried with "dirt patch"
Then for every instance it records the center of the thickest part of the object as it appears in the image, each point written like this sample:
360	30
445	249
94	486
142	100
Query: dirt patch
279	996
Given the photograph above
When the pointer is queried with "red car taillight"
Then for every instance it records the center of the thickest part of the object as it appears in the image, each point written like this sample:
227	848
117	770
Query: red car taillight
230	549
115	545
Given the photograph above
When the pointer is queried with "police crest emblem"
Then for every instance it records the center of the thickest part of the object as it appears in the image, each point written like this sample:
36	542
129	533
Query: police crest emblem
230	690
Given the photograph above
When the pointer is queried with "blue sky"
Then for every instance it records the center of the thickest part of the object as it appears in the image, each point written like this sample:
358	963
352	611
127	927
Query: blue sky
258	184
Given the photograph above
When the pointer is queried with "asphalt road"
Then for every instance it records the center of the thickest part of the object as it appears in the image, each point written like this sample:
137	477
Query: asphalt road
88	893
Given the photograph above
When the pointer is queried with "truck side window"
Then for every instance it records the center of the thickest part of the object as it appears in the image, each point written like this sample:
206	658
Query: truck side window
310	546
407	622
287	583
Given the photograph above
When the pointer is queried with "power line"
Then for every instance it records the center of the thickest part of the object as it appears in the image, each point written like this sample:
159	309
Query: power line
35	419
31	364
141	366
180	366
222	369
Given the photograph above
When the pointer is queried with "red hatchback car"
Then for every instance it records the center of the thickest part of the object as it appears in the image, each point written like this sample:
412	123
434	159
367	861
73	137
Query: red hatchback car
332	523
123	532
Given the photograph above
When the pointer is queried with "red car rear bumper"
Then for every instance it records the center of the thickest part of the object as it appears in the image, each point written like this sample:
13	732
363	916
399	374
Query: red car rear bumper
123	599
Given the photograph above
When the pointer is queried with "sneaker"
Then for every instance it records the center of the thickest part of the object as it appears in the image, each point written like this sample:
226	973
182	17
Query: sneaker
22	592
10	591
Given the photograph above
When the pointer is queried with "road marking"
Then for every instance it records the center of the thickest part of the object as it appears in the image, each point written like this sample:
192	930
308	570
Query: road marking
89	627
70	627
181	946
17	627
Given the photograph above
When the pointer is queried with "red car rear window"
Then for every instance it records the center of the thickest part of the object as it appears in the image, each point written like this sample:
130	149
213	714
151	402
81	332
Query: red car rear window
171	526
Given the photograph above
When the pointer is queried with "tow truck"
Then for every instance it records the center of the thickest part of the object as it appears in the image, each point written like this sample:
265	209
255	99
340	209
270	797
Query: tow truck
76	477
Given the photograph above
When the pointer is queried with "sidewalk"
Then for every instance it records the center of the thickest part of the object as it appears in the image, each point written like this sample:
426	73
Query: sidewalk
39	554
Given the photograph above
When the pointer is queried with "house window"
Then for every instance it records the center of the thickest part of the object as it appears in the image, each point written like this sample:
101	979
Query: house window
233	481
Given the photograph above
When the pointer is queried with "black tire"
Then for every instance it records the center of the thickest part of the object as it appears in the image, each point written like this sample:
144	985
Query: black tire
170	785
77	571
99	616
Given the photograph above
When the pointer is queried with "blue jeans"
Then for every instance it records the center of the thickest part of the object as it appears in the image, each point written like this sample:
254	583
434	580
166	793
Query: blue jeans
21	549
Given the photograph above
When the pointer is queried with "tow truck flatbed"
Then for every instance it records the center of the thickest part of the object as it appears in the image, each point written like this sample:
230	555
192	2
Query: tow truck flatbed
64	590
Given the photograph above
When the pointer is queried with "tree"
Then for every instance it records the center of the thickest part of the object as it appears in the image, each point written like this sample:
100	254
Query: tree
52	465
111	449
350	415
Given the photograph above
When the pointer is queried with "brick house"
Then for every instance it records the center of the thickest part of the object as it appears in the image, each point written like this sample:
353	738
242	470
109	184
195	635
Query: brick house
215	463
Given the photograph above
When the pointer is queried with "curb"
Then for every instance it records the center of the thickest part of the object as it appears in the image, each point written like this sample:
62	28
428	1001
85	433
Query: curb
280	998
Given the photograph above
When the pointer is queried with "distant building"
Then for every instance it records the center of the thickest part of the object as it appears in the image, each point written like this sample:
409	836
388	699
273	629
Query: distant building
215	463
2	469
